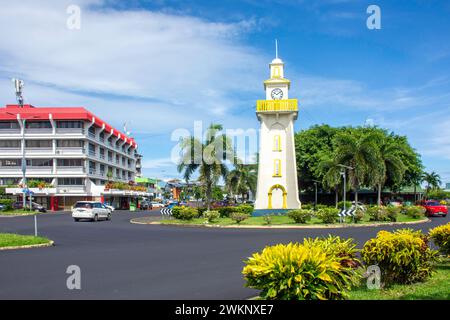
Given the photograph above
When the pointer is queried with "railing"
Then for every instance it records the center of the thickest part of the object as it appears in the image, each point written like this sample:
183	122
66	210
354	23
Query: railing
91	135
68	150
70	130
70	170
277	105
39	130
92	153
10	150
38	150
10	131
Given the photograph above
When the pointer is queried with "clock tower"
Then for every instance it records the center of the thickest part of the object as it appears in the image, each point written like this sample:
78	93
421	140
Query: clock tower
277	169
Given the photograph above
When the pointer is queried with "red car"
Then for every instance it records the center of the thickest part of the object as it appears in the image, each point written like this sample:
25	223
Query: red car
434	208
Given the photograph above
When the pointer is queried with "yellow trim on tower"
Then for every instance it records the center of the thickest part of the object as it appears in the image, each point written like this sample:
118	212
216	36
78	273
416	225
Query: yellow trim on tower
287	105
283	189
277	168
277	143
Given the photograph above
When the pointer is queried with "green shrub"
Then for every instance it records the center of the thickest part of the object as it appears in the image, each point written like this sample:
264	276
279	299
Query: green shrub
7	203
238	217
268	219
225	212
359	215
245	208
211	216
415	212
378	213
328	215
403	256
348	204
307	206
300	215
321	206
392	213
201	210
441	238
313	270
184	213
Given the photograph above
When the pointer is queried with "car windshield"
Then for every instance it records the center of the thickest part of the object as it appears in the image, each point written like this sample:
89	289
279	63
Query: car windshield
433	203
85	205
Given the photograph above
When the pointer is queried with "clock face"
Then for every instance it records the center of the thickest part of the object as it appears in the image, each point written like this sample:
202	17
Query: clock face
277	94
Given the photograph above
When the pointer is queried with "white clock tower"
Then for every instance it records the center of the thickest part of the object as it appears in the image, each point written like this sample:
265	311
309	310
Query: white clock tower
277	171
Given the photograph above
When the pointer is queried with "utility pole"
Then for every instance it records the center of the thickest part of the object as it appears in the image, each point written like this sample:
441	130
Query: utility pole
344	175
315	194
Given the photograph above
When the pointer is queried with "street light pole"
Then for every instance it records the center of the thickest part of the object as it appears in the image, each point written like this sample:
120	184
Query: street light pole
344	175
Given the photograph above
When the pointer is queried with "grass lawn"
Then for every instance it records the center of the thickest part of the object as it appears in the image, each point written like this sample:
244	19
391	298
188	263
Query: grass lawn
20	212
276	220
436	288
10	240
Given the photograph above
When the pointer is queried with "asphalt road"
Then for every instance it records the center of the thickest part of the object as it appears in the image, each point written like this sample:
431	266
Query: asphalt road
119	260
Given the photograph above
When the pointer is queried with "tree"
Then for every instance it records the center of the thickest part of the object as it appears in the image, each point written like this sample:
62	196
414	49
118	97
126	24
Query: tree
433	180
242	179
330	171
390	164
208	158
358	150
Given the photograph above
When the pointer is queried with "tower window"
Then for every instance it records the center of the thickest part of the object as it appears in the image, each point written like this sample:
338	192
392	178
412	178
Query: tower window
277	143
277	168
276	72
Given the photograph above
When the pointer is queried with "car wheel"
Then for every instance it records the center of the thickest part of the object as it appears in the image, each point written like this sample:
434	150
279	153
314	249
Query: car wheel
76	219
95	218
108	217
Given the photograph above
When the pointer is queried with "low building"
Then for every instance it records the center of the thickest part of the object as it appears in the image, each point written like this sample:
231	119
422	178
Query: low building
152	187
70	153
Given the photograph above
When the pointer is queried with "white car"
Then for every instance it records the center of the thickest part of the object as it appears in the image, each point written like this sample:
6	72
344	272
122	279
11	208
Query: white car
157	205
91	210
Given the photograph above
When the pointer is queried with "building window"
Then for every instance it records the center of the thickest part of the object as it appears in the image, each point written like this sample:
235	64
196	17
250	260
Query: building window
10	144
9	181
70	162
102	136
10	162
38	125
70	181
277	143
38	143
277	168
91	149
40	162
276	72
9	125
69	124
102	153
69	143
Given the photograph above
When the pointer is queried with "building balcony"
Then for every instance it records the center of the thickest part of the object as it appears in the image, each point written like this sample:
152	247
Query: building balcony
45	131
70	151
8	151
71	189
288	105
38	151
70	131
70	170
10	131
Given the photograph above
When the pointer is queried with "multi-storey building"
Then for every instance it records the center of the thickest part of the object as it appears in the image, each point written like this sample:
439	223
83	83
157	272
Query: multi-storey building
70	149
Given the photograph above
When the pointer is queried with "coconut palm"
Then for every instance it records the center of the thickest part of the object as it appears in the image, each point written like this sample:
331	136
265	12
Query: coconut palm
432	179
359	151
389	164
242	179
208	158
330	171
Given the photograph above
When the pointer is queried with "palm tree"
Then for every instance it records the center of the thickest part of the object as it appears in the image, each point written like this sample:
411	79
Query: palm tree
433	180
390	164
242	179
360	152
416	179
330	171
207	157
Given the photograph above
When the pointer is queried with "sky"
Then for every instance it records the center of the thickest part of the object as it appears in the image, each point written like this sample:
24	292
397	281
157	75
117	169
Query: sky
165	66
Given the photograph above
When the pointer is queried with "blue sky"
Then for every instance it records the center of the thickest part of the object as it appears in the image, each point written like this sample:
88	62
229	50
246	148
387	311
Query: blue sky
161	65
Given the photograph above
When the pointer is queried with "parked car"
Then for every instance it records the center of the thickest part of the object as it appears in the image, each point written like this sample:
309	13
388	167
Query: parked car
91	210
434	208
111	208
157	205
35	206
145	205
2	207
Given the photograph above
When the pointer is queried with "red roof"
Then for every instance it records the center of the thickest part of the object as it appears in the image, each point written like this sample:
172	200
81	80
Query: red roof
10	112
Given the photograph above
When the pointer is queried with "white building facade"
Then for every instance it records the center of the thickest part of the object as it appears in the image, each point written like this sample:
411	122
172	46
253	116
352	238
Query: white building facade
70	149
277	186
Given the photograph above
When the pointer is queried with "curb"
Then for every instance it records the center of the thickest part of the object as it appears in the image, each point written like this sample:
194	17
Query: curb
329	226
42	245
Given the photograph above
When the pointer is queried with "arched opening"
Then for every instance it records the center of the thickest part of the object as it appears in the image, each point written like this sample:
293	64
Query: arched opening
273	203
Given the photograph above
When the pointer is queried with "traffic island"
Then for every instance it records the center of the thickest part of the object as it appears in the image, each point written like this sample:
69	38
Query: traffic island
10	241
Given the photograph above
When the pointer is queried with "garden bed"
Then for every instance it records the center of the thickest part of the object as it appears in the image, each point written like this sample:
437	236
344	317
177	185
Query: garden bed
14	213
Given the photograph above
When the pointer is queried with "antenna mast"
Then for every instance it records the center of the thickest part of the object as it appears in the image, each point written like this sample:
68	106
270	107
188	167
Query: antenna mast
18	85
